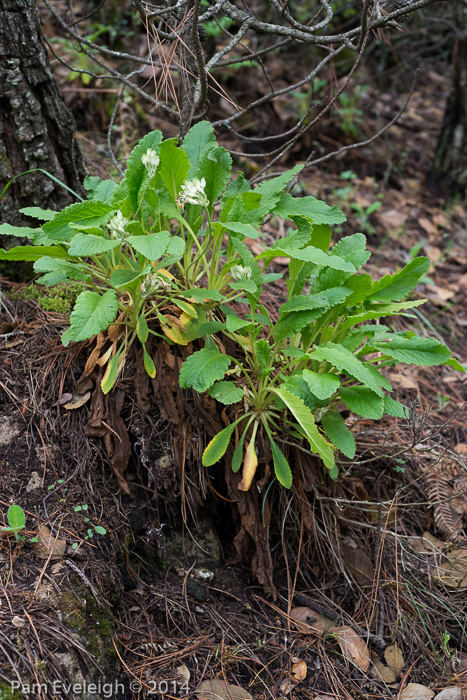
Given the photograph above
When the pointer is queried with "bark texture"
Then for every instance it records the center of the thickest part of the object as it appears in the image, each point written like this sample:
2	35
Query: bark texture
36	128
450	164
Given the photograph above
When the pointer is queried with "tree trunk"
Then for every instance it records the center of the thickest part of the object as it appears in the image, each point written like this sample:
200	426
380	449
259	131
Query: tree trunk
450	164
36	128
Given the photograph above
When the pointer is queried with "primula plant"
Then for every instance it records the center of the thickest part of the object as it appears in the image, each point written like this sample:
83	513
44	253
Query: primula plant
165	253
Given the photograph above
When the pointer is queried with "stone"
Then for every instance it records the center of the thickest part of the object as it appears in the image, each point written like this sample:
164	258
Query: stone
450	694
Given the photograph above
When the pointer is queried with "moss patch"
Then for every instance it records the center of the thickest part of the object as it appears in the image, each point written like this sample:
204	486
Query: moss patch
6	693
94	623
59	299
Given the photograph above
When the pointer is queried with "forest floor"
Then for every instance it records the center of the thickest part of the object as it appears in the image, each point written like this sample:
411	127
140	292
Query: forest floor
368	612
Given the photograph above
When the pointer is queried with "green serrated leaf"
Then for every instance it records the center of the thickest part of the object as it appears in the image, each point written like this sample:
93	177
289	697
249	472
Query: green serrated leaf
321	385
174	167
201	295
345	361
37	213
215	167
234	322
226	392
59	270
415	350
121	278
244	286
92	314
272	190
353	249
199	140
325	299
306	421
152	246
244	229
317	211
335	428
136	171
263	352
30	253
202	369
89	213
396	287
363	401
20	231
86	244
174	251
395	408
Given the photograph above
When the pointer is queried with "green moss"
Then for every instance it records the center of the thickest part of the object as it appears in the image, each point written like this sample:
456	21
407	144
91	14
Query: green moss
94	623
59	299
6	693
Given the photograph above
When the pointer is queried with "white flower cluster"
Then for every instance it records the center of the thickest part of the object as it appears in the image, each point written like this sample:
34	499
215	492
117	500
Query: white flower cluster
152	282
241	272
151	161
117	226
192	191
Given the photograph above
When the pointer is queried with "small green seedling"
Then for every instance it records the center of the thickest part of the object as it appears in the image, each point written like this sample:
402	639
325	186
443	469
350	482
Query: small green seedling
16	520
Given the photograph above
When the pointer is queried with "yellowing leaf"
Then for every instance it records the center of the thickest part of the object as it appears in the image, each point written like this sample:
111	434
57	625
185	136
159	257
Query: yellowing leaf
250	464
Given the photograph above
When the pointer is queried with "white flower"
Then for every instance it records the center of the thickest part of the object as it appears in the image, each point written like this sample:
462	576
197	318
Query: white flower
240	272
151	161
117	226
152	282
192	191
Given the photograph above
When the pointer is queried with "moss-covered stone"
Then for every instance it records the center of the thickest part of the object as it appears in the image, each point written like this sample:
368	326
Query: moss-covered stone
93	623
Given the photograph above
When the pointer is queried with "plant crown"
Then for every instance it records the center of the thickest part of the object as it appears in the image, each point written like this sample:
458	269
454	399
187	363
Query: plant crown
163	253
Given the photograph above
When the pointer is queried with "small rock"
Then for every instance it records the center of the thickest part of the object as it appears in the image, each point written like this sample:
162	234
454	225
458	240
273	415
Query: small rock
450	694
415	691
196	591
34	482
18	622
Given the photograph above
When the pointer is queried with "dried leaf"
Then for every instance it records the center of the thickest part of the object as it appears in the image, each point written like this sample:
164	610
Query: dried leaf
286	685
308	621
220	690
383	673
299	670
404	381
183	672
250	465
77	401
394	658
453	571
359	565
47	546
415	691
353	647
94	356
